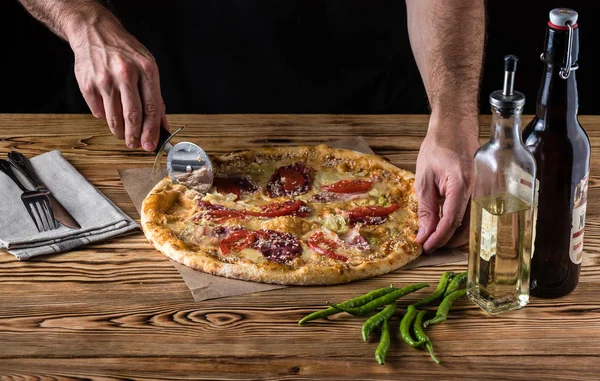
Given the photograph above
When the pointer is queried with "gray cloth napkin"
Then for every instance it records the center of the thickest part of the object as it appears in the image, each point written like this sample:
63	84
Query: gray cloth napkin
99	218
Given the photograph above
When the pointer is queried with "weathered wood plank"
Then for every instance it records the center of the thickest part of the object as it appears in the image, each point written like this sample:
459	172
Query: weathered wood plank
277	368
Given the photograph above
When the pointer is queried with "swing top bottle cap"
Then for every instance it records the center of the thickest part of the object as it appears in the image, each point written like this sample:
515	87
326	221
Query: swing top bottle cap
508	98
560	17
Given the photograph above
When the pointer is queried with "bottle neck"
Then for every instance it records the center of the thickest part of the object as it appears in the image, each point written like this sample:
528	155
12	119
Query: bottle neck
506	127
557	97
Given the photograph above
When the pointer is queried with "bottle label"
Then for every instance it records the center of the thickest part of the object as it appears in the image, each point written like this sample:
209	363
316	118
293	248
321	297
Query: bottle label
489	227
523	188
521	185
578	222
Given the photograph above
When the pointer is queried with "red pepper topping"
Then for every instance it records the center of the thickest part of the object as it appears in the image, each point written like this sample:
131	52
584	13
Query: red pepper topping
348	186
371	215
279	209
237	240
325	246
373	211
219	213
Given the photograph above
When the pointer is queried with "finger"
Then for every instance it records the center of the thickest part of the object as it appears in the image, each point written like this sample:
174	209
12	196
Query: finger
429	208
132	114
153	105
453	211
93	99
114	113
163	119
461	235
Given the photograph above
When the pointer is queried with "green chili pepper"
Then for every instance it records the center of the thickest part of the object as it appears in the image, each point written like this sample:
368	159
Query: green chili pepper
321	314
421	336
439	291
418	326
351	303
384	343
405	326
381	301
444	307
375	320
429	347
458	281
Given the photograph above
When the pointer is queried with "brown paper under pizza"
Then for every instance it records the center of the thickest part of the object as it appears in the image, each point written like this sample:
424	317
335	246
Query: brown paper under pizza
139	182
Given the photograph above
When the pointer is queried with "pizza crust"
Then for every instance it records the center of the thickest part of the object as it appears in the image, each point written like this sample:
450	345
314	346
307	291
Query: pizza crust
165	194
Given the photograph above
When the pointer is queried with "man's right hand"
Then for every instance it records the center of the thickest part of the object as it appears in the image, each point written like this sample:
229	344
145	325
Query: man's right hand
444	171
119	80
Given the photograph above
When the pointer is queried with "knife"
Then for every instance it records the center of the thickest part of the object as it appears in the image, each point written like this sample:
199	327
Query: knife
60	213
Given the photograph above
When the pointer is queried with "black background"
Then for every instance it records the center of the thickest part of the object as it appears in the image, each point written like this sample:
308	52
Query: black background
34	62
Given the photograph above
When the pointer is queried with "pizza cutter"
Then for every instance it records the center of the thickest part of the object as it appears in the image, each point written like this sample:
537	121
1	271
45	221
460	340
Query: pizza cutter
187	163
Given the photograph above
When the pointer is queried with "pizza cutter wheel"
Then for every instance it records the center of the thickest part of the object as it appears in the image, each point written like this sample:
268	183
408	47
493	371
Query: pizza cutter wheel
187	163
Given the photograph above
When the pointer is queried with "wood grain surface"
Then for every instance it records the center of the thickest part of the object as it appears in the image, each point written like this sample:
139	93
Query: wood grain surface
119	310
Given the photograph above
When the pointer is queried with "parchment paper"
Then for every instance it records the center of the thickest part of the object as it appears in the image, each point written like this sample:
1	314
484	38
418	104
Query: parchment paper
139	182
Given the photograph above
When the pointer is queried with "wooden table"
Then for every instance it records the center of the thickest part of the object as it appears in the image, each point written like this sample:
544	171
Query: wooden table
120	310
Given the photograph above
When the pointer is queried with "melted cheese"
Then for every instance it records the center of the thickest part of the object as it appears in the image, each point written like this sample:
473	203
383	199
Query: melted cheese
399	224
252	255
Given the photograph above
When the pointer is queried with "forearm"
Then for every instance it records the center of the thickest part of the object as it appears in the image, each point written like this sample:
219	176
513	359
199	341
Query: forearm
67	17
447	39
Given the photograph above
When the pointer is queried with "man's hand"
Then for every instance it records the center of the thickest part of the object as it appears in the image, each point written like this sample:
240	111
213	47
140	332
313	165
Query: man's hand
119	80
444	171
117	75
447	39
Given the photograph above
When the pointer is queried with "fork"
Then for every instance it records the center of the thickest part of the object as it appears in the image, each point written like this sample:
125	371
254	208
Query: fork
35	201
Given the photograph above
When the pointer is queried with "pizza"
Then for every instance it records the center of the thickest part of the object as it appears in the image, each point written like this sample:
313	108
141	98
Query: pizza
309	215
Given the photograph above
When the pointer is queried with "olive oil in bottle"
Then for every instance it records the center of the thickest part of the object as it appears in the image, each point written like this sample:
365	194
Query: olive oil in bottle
502	207
501	250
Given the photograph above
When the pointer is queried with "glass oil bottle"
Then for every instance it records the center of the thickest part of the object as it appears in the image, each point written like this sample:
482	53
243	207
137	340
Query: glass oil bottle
503	207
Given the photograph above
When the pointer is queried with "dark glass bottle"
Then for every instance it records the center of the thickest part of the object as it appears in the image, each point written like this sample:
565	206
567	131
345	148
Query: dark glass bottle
562	152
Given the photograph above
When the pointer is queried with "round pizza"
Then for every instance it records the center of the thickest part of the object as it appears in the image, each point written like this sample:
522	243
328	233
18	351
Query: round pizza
296	216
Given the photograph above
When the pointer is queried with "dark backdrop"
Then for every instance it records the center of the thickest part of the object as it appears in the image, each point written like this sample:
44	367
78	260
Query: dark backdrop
34	63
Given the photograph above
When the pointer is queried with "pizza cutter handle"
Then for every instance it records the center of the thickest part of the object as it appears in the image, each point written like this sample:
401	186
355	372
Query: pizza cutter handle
162	138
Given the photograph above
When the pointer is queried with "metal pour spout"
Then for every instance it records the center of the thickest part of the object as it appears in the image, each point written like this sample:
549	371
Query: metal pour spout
510	67
508	98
